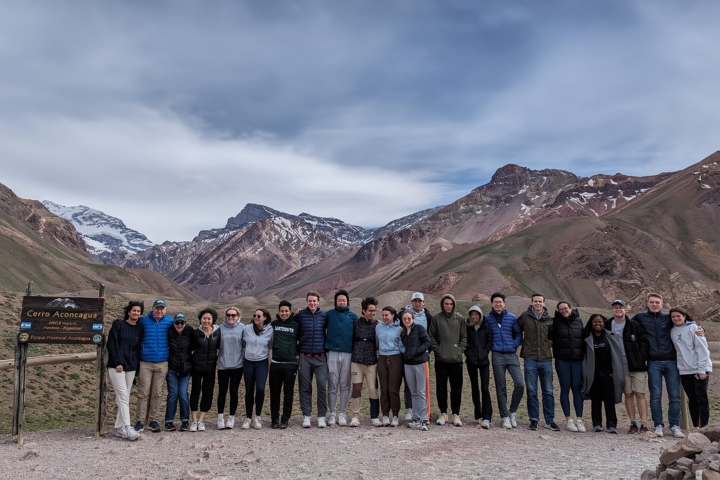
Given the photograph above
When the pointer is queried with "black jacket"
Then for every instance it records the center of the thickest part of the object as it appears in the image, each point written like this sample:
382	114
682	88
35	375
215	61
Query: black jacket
657	329
123	345
180	346
205	351
568	337
637	348
364	350
480	344
417	345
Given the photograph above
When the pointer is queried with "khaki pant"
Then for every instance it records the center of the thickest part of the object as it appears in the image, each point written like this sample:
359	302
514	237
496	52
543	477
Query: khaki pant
359	372
152	375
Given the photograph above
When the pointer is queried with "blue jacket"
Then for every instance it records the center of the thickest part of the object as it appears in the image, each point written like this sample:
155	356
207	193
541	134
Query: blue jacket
657	328
154	347
340	329
312	331
506	334
388	338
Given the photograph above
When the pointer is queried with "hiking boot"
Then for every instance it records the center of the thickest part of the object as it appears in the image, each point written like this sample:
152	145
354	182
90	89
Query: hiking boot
570	426
676	432
184	426
643	428
633	428
275	423
139	427
506	423
658	431
533	425
442	419
355	422
456	421
306	421
246	423
342	420
230	423
597	428
513	420
169	427
552	426
220	422
283	423
612	430
580	425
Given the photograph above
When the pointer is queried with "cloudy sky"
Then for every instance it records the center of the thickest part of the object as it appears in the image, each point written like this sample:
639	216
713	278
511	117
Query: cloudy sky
173	115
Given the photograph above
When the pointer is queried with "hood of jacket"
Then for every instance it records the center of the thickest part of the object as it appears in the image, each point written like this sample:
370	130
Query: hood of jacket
442	299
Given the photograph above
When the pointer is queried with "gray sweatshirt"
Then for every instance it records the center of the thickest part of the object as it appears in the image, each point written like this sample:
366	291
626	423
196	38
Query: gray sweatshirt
693	355
257	347
231	349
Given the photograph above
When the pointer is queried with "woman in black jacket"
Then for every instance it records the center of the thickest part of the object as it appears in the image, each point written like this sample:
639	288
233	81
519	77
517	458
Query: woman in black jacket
178	374
480	341
206	343
123	346
568	346
417	343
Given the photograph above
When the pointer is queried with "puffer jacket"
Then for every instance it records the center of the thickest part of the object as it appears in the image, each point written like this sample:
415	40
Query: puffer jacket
536	343
479	343
205	350
312	331
154	347
567	336
180	347
448	334
506	331
657	328
417	345
340	329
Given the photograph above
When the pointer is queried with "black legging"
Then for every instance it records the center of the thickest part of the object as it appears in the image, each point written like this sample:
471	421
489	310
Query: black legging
256	373
696	391
483	409
202	382
229	379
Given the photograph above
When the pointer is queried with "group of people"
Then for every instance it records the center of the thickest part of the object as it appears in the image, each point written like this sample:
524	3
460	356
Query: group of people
600	361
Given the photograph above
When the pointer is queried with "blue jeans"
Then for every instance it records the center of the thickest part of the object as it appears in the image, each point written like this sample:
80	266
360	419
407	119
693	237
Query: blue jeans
569	374
657	369
533	370
177	389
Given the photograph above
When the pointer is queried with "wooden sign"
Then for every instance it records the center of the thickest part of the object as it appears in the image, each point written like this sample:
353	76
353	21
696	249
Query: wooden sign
61	320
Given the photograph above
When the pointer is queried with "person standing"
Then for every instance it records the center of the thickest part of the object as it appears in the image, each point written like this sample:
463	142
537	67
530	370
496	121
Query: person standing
389	365
206	343
448	334
477	355
178	375
340	322
364	363
536	351
153	365
416	355
257	338
123	348
568	350
694	364
284	364
312	361
230	366
635	358
422	317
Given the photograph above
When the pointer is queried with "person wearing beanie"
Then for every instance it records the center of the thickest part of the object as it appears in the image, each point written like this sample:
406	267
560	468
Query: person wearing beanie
479	344
339	355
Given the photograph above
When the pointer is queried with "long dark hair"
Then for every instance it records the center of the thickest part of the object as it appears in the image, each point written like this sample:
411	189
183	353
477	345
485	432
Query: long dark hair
682	312
130	305
266	320
401	314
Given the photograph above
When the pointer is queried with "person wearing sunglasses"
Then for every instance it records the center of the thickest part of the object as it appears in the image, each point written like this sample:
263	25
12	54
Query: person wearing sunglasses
257	339
230	366
178	375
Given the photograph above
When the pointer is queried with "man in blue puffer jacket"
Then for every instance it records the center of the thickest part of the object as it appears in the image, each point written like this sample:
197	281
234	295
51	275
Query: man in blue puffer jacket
506	339
312	361
154	354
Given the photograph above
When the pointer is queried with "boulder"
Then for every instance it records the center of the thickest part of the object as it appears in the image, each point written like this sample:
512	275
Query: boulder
692	444
673	474
712	431
685	464
708	474
648	474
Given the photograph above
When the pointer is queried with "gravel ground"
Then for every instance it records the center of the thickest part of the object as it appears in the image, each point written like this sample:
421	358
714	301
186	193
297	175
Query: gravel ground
336	452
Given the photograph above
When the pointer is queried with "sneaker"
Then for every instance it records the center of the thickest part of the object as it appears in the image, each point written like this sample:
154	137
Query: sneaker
485	424
220	422
154	426
597	428
306	421
169	427
412	424
321	422
376	422
131	434
612	430
580	425
552	426
506	422
257	424
283	423
122	432
456	421
676	432
275	423
533	425
423	427
331	420
386	421
193	427
201	426
355	422
570	426
342	420
395	422
643	428
442	419
479	420
139	427
408	415
513	420
246	423
658	431
230	422
633	428
184	426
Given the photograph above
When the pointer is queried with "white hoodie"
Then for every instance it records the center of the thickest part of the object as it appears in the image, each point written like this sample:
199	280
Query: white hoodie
693	355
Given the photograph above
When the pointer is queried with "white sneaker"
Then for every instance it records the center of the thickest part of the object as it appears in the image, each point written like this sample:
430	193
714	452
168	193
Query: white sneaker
442	419
201	426
394	422
342	420
570	426
230	422
676	432
423	427
257	424
658	431
412	424
456	421
246	423
306	421
121	432
193	427
321	422
355	422
408	415
331	420
220	422
376	422
131	434
580	425
513	420
506	423
386	421
480	421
